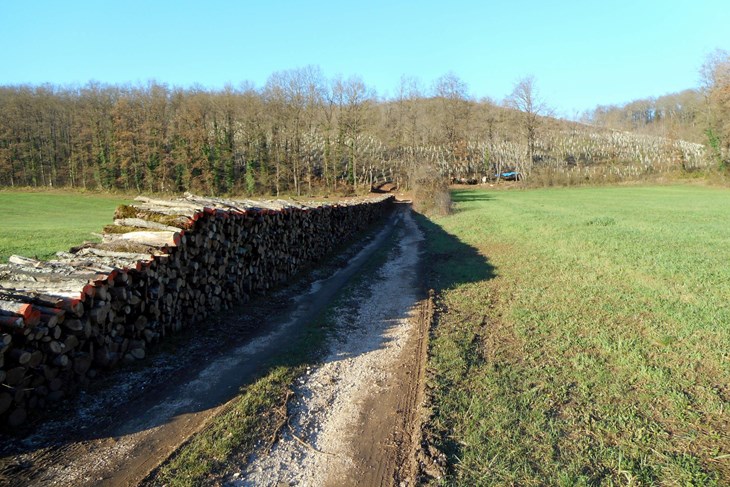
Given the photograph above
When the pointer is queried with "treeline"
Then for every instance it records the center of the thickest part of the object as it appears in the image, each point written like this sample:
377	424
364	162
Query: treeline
681	115
698	115
298	132
303	133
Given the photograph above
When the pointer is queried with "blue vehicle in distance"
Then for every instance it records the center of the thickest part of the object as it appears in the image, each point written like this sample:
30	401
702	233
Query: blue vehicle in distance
509	176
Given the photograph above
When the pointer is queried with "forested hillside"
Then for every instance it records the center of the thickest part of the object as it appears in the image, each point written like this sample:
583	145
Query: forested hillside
303	133
699	115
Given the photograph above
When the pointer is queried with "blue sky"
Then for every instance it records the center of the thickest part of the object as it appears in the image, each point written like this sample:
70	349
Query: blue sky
582	53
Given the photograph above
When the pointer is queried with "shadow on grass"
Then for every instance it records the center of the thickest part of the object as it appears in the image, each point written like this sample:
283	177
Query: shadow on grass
449	261
461	195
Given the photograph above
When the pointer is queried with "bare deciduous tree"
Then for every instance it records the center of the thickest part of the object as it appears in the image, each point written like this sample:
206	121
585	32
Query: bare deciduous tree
302	130
354	102
453	94
526	98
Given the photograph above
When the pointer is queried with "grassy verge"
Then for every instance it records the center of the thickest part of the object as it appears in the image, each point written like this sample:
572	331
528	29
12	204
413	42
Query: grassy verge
39	224
584	337
250	421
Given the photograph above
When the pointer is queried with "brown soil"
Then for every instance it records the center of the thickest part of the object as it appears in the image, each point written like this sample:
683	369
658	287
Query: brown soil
389	433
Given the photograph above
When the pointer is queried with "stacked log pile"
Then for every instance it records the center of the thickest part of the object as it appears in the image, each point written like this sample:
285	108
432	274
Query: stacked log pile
163	265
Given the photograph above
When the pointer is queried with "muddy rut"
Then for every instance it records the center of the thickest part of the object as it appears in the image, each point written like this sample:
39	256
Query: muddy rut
353	418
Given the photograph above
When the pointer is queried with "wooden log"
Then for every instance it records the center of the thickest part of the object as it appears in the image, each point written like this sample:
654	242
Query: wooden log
82	363
38	333
68	302
75	325
14	308
19	260
17	417
20	394
140	323
150	335
55	347
151	239
50	372
6	400
15	375
49	320
101	292
130	257
73	288
138	353
34	319
60	361
135	299
56	270
36	358
12	323
170	216
119	293
140	223
20	356
47	310
182	215
71	342
99	314
124	279
168	203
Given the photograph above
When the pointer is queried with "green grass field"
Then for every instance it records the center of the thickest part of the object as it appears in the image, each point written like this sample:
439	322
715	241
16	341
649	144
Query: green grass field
39	224
583	336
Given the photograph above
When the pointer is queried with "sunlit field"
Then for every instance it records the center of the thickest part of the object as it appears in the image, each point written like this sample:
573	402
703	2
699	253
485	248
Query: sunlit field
586	341
39	224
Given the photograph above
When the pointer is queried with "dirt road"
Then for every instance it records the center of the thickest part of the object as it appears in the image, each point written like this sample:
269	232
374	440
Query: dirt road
366	388
353	416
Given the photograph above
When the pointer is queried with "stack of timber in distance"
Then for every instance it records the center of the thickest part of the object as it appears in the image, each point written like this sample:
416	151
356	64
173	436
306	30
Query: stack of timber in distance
163	265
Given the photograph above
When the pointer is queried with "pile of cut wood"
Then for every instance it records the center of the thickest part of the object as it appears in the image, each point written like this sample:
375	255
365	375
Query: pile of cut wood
162	265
